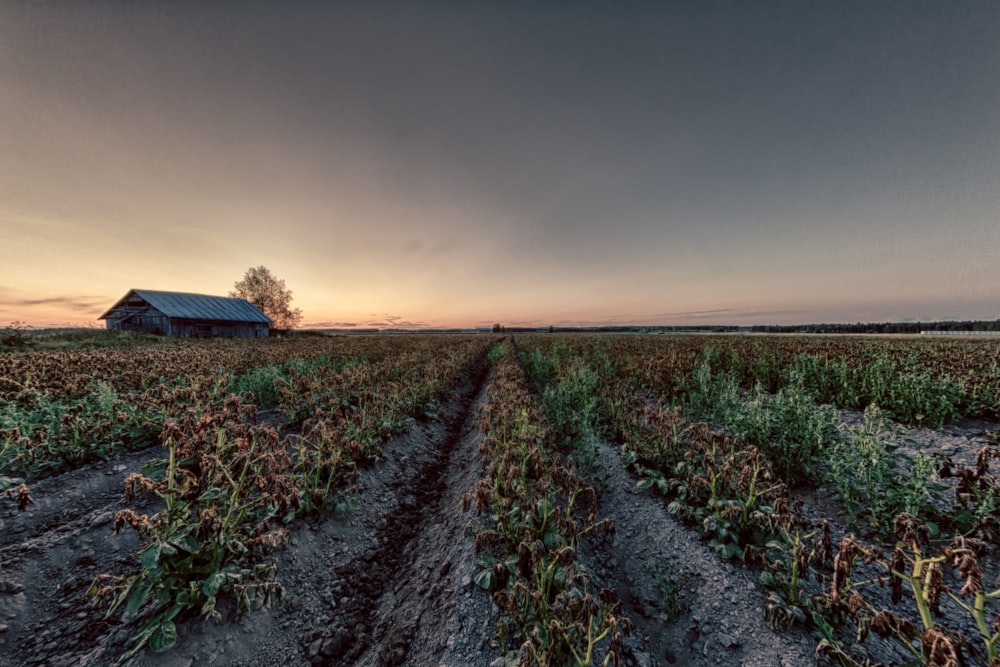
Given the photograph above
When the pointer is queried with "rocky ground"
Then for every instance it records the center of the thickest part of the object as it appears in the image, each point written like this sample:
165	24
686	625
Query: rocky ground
391	583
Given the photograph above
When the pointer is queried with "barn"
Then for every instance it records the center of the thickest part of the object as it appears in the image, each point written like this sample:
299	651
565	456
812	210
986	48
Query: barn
186	315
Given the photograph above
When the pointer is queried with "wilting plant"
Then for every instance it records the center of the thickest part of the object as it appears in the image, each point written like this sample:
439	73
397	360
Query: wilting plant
541	511
224	485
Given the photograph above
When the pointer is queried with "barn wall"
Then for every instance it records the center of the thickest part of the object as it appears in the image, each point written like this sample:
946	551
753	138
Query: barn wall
155	322
150	321
214	329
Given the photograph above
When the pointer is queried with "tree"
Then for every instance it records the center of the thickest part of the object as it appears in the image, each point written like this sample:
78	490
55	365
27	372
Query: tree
261	288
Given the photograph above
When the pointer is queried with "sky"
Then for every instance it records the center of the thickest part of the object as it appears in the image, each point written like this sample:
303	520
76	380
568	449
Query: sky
456	164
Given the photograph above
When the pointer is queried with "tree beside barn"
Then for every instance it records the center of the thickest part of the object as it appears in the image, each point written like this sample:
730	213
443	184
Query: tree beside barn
266	291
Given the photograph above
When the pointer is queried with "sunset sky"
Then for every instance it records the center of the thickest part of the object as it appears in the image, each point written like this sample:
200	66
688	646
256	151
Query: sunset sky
529	163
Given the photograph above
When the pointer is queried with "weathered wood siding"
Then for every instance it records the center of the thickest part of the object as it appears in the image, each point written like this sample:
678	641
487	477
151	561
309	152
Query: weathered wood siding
154	322
215	329
145	320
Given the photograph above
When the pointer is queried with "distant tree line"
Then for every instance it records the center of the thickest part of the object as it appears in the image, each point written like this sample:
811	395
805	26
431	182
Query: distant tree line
881	327
829	328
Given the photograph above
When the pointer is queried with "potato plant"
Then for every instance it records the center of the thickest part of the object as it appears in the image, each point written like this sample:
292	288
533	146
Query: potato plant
230	484
775	434
249	437
541	512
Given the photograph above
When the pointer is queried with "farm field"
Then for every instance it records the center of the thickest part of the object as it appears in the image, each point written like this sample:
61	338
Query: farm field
537	499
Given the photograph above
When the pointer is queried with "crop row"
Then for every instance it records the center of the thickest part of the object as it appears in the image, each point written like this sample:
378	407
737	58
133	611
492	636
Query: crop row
74	373
60	410
729	430
739	484
230	482
540	512
919	381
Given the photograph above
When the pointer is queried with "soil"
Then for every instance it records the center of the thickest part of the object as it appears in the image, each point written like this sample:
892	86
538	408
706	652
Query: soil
717	616
390	583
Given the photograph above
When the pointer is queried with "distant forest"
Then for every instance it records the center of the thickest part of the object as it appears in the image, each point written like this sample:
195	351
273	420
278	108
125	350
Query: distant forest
884	327
970	326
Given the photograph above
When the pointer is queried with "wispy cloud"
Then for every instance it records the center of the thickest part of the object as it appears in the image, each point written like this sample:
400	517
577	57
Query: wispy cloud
720	315
394	321
694	313
330	325
74	302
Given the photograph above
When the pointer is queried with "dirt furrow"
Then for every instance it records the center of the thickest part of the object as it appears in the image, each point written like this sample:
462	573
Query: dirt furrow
389	584
429	612
49	555
688	606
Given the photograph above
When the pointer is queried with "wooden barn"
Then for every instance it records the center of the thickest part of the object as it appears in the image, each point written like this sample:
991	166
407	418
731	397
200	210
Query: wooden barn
186	315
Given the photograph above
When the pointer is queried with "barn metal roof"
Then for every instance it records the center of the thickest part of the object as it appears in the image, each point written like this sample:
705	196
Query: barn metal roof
196	306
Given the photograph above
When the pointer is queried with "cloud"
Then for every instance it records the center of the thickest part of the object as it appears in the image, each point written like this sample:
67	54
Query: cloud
393	321
330	325
396	322
694	313
410	324
76	302
720	315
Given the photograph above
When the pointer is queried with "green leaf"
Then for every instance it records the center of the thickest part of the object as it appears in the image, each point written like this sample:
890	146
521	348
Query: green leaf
150	556
645	483
485	559
211	494
156	469
553	540
211	585
731	551
164	637
186	540
185	598
136	599
485	579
